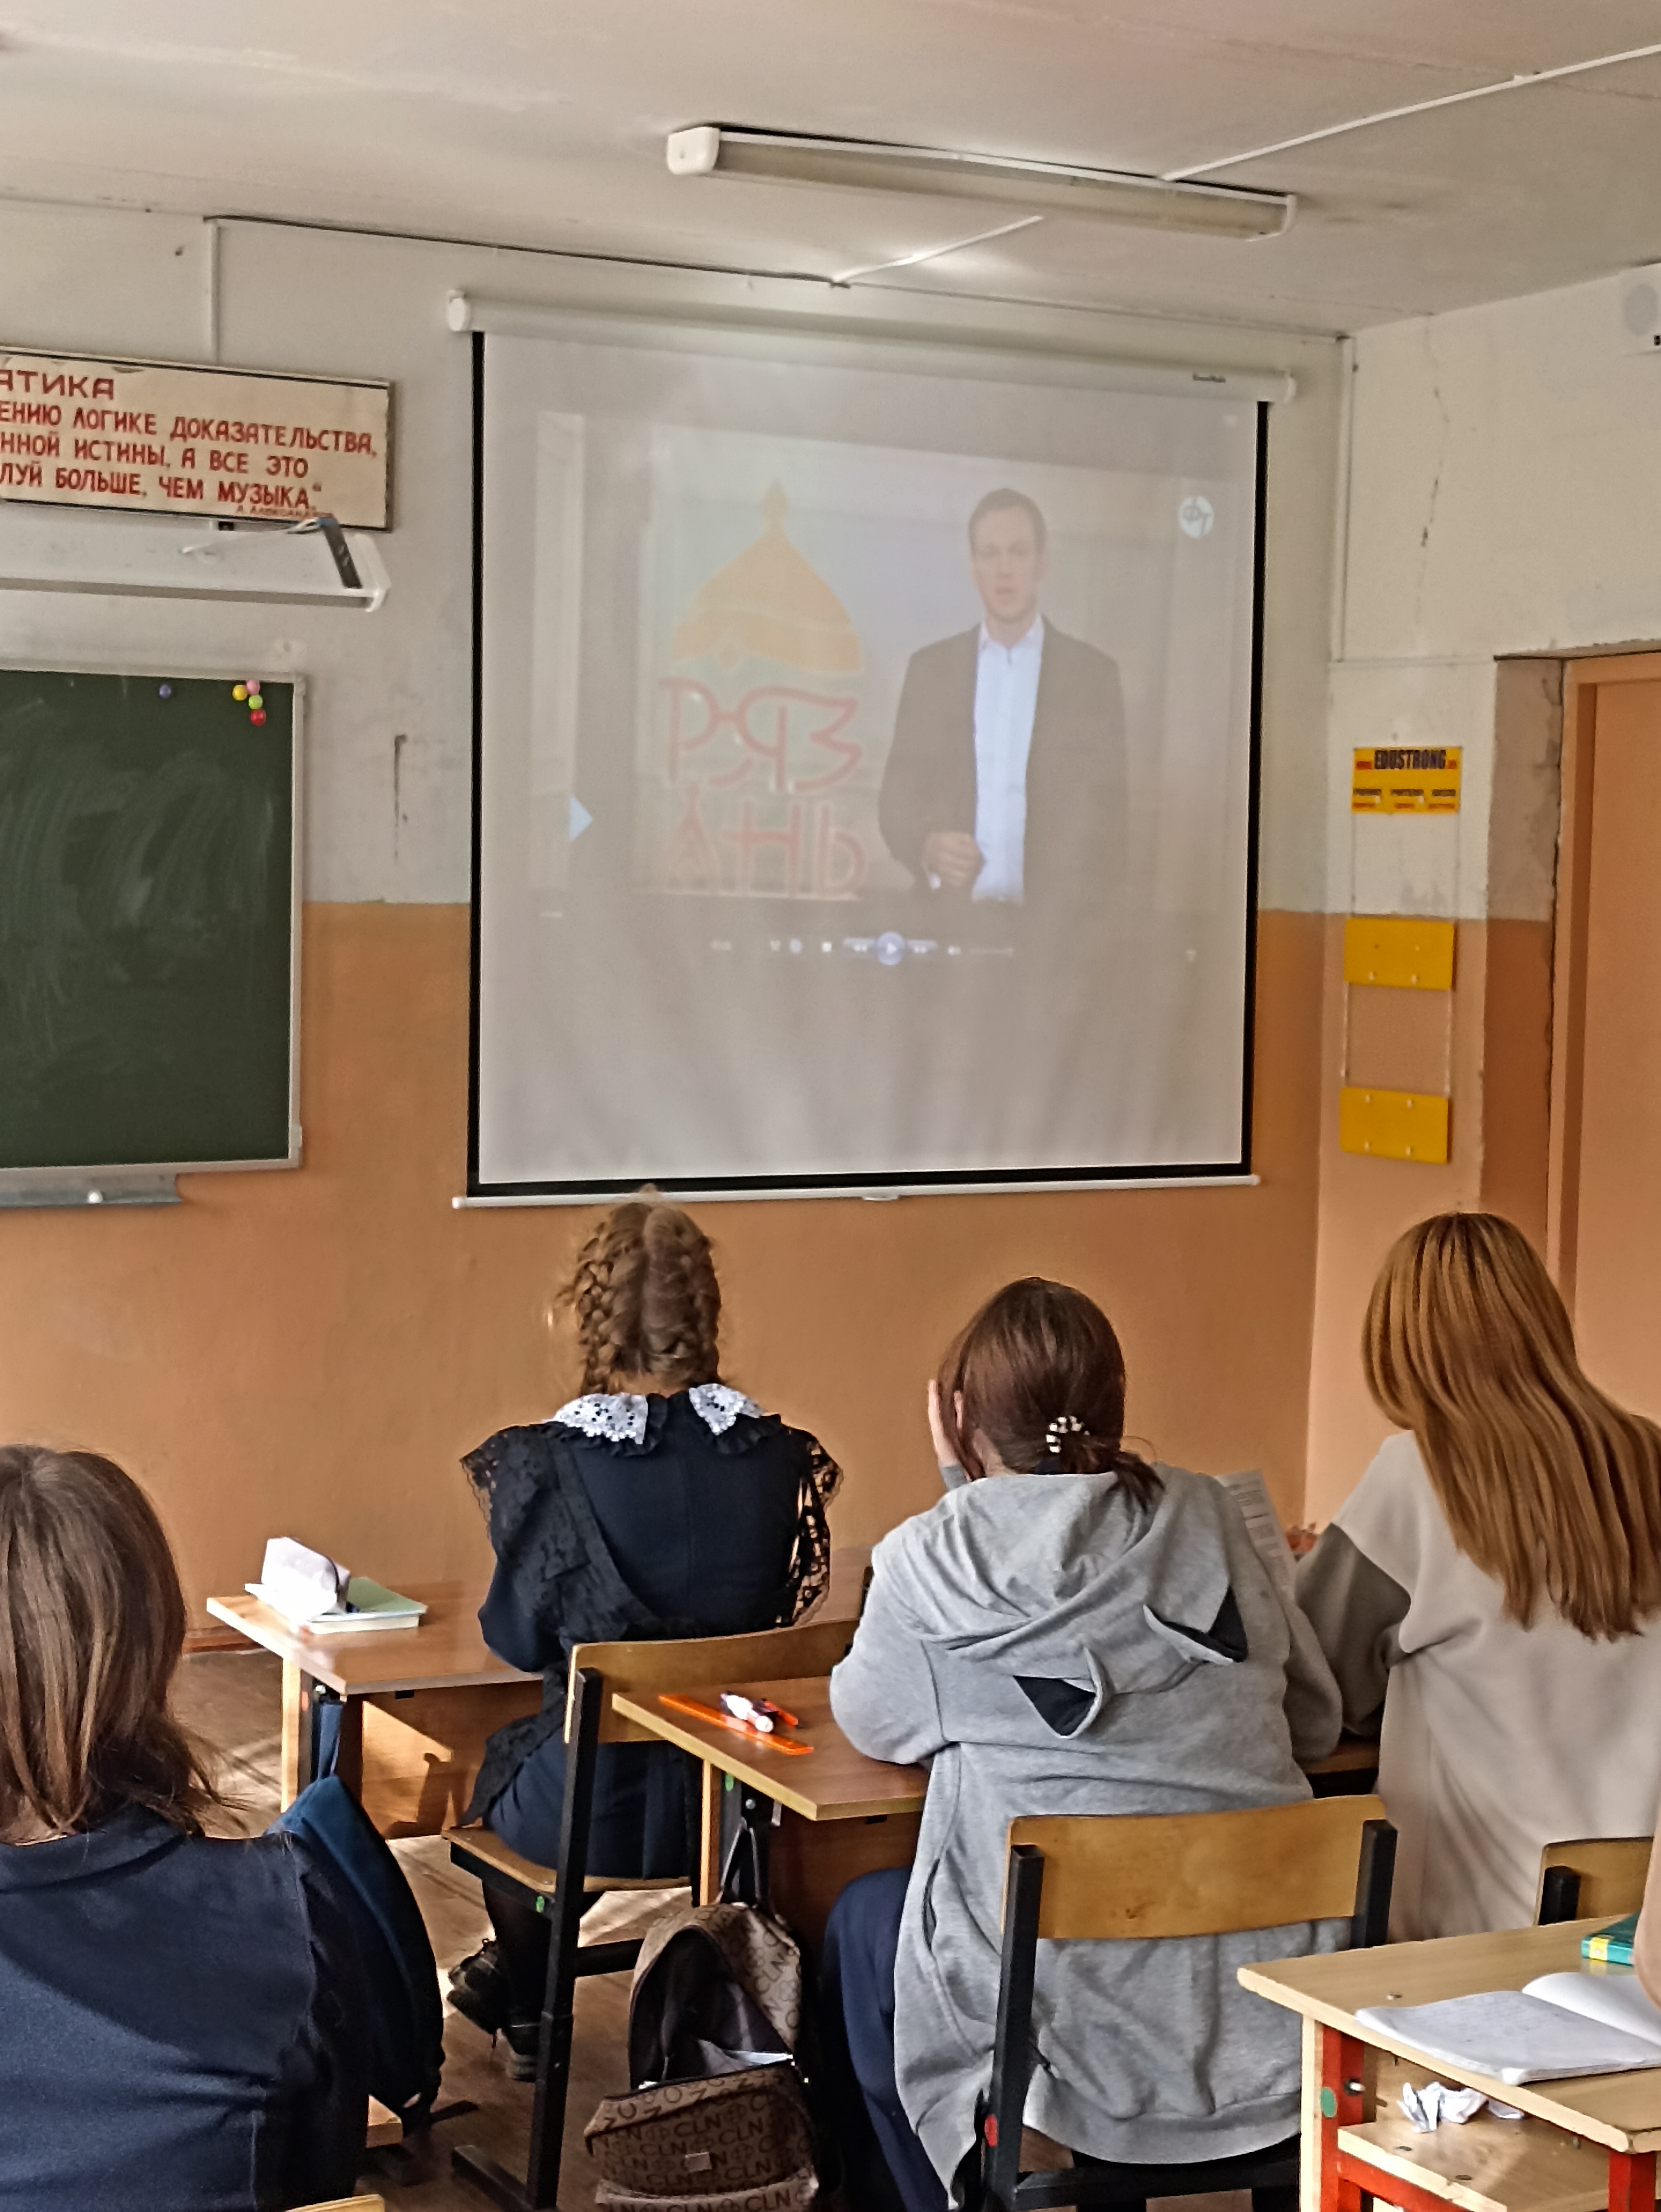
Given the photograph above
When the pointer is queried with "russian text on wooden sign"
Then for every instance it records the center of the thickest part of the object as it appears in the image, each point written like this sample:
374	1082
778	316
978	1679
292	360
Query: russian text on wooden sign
178	440
1405	780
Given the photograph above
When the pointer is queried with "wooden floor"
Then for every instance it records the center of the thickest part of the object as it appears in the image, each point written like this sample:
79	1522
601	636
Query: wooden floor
232	1699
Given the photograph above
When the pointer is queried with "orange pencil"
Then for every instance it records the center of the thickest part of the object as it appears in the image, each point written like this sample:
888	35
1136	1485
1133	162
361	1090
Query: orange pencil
702	1712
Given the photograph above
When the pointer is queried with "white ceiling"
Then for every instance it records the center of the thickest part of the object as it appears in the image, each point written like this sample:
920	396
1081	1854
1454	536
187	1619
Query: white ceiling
541	122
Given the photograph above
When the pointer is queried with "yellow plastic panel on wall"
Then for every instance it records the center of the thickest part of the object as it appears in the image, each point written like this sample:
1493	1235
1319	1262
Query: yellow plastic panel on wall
1393	1124
1404	950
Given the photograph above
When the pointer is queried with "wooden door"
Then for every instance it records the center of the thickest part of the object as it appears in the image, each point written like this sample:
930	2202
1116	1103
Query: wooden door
1608	1081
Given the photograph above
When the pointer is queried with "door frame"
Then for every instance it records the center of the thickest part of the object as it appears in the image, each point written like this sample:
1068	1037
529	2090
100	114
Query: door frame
1582	681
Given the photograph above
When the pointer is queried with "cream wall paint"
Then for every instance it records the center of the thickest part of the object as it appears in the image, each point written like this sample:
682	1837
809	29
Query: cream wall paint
388	741
1504	477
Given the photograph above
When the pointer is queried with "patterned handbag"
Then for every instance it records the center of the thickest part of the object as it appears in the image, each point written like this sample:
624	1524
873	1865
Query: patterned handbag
718	2122
740	2141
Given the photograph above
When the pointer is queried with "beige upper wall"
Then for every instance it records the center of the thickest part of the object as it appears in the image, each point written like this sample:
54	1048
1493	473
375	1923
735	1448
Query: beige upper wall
1504	475
337	303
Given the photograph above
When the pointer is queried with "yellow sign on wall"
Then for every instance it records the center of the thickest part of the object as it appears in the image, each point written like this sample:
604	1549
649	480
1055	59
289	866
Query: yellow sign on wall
1405	780
1393	1124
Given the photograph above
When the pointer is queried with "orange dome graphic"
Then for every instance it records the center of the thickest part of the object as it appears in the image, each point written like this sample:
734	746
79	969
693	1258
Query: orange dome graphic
771	604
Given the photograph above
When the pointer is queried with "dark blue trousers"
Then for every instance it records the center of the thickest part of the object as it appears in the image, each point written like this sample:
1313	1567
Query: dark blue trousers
857	1976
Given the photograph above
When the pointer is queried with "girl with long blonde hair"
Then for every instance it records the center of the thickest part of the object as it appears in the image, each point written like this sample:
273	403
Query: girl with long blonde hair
1492	1586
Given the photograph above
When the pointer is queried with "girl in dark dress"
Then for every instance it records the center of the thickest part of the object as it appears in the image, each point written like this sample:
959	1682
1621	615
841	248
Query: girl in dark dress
661	1503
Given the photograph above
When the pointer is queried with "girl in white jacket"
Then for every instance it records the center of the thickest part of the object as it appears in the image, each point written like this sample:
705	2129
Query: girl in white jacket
1493	1584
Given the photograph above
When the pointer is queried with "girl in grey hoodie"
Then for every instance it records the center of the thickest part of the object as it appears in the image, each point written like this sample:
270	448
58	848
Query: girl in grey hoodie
1070	1629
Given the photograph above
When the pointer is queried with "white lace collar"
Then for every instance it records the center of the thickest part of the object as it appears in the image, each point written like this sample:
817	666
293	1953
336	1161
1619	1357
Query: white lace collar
618	1417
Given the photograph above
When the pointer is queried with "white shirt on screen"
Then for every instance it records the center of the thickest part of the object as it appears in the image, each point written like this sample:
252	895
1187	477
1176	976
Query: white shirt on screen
1006	698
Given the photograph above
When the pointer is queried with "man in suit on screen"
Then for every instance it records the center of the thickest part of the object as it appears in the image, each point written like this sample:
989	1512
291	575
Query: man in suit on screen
1006	779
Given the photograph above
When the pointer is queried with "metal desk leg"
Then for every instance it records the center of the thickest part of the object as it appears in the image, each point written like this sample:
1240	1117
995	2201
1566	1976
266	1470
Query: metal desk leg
322	1733
708	1881
299	1754
1632	2181
1340	2102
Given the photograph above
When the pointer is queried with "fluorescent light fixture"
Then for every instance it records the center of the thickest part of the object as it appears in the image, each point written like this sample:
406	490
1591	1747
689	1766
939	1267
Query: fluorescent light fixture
709	149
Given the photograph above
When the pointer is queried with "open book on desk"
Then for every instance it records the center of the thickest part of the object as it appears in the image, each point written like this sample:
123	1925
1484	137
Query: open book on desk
1558	2027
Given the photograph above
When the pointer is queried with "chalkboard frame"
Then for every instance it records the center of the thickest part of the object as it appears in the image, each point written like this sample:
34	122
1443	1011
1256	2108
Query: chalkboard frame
139	1179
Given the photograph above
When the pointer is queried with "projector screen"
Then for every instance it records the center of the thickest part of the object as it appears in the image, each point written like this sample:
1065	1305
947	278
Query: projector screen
866	767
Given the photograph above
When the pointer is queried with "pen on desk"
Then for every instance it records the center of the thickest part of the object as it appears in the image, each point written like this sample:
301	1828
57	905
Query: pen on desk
704	1713
761	1712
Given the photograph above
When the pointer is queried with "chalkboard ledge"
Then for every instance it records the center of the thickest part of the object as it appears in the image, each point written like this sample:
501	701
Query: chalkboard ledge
119	1187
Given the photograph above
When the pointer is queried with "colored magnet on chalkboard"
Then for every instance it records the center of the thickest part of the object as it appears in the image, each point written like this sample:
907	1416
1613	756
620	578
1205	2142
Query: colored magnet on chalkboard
239	692
258	715
164	691
255	700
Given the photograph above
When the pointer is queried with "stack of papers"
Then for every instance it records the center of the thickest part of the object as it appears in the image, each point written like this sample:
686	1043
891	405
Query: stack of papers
1559	2027
1251	1493
315	1593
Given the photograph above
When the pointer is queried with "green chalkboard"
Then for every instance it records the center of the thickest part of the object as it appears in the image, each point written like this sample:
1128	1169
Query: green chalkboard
147	827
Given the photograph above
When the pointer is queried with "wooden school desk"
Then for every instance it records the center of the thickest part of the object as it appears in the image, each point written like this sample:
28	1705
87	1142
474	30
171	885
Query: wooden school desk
841	1813
417	1704
1584	2143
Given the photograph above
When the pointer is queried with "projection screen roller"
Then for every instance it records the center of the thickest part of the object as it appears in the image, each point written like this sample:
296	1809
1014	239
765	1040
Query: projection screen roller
866	769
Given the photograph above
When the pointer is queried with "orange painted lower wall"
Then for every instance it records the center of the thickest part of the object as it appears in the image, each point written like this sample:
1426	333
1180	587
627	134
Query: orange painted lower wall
309	1352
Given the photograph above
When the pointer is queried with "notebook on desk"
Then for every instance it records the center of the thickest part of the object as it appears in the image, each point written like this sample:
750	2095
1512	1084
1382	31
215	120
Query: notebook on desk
318	1596
367	1605
1558	2027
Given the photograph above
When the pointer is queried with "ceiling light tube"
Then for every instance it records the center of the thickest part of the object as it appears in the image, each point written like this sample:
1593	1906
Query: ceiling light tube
1107	195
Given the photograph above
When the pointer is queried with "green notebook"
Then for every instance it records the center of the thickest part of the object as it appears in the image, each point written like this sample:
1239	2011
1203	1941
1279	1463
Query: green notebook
369	1605
1613	1944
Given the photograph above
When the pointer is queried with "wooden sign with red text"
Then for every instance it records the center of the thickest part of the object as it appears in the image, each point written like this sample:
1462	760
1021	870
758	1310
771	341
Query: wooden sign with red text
169	440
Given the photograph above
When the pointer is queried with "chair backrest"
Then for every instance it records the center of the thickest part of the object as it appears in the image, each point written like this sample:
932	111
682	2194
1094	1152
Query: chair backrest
1602	1875
1112	1877
771	1654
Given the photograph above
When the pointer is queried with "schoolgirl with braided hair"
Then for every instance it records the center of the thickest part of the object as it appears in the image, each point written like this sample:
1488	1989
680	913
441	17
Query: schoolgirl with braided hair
659	1502
646	1300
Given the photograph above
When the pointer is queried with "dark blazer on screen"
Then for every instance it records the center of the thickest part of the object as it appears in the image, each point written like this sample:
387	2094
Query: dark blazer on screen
1076	799
183	2023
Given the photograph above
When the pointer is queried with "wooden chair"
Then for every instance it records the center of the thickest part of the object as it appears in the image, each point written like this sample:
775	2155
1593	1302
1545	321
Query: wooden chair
1596	1874
597	1670
346	2204
1113	1879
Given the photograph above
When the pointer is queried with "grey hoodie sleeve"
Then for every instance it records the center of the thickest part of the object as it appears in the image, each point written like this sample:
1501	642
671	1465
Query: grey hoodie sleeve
1313	1705
883	1693
1356	1609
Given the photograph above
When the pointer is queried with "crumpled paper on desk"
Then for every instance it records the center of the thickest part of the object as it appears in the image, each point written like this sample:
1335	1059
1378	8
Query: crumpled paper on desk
1427	2107
300	1582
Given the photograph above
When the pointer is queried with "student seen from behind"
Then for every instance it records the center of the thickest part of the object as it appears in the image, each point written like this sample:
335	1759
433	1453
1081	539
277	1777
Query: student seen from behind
183	2020
1491	1590
1071	1630
659	1502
